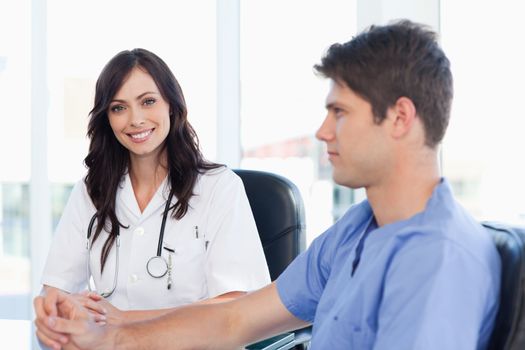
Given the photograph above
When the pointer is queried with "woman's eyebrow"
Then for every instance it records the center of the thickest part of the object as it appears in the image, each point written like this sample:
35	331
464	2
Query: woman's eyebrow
137	98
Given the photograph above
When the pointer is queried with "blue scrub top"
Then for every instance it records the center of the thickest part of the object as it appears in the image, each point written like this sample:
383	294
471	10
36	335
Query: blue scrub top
428	282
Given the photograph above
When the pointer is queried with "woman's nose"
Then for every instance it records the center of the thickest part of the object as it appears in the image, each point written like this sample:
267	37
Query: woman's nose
137	118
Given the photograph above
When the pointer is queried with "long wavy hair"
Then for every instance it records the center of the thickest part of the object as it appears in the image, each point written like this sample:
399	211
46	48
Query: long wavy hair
107	160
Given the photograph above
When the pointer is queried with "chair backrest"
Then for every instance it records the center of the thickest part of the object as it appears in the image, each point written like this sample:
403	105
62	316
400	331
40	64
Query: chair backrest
278	210
509	329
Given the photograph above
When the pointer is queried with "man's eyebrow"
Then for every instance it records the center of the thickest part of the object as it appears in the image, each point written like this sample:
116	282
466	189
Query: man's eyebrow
330	105
334	104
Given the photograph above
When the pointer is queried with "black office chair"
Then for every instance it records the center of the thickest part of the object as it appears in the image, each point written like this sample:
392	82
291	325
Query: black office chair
509	329
278	210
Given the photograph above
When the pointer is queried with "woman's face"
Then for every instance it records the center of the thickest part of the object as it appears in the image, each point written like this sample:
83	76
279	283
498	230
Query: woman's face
139	115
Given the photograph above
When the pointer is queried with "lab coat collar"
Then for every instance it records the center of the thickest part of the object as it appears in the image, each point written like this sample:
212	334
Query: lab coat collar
126	198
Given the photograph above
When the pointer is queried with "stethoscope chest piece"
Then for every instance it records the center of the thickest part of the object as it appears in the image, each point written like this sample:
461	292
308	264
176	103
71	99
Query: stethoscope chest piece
157	266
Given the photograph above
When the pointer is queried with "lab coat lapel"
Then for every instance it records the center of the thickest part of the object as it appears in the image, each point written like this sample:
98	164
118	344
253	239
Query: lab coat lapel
158	200
126	198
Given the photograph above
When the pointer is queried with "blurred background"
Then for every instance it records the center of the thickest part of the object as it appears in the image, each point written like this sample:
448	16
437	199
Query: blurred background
245	67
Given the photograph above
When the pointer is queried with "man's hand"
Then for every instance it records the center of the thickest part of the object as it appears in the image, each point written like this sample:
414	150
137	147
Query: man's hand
45	334
56	303
83	333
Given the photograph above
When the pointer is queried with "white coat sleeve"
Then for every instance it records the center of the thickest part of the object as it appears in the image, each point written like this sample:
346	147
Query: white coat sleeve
65	267
235	257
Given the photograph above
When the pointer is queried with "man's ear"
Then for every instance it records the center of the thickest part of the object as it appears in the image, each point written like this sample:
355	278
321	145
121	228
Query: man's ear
402	115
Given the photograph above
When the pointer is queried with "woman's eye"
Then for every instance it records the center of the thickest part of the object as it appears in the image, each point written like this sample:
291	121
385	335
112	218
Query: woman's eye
149	101
116	108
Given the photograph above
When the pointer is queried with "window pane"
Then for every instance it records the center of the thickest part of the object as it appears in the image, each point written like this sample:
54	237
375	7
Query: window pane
15	114
282	101
483	148
78	54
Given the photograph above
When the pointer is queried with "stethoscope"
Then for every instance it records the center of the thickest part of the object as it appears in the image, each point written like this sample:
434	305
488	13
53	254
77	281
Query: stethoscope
157	266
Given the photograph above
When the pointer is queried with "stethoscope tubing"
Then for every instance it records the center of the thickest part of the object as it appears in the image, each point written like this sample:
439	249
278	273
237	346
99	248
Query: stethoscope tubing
150	265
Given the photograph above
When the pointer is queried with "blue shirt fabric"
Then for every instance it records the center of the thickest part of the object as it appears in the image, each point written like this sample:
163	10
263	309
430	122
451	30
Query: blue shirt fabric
428	282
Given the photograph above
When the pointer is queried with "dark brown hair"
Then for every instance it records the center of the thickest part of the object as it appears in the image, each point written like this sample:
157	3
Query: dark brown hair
107	160
384	63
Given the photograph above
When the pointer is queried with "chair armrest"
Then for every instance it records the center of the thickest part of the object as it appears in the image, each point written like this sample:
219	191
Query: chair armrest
282	341
297	340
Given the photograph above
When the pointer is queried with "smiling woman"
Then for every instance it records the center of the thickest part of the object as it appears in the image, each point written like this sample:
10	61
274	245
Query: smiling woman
139	115
144	164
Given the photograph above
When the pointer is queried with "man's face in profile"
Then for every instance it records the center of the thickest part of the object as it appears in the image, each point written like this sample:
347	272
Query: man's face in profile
356	145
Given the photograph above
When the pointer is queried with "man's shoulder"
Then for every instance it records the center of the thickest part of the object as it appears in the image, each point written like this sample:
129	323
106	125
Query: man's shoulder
445	218
451	229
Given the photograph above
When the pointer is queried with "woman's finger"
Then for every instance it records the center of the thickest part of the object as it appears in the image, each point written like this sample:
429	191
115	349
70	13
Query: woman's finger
95	306
40	323
49	301
89	304
95	296
91	295
95	316
47	341
42	327
73	327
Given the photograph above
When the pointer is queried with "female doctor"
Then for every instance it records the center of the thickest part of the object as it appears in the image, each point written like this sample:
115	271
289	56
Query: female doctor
153	225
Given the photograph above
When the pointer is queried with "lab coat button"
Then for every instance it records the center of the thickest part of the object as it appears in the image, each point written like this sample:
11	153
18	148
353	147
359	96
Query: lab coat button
133	278
139	231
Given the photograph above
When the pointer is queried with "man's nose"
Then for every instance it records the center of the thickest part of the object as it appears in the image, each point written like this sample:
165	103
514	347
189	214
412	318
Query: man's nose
325	131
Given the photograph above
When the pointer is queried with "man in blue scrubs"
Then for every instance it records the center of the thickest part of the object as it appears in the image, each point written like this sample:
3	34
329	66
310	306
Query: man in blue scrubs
408	268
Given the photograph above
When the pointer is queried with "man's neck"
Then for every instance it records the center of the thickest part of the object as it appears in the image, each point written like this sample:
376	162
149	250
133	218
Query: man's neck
404	193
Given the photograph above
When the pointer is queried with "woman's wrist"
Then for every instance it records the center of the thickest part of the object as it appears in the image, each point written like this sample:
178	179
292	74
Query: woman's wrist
116	317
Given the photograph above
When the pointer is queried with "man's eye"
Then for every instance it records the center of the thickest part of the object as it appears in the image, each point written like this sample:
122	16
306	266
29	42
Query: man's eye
338	112
149	101
116	108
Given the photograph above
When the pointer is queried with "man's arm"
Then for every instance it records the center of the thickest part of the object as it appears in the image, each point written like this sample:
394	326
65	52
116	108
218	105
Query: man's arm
227	325
115	316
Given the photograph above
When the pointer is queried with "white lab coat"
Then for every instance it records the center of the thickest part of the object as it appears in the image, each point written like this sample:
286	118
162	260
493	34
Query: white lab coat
225	256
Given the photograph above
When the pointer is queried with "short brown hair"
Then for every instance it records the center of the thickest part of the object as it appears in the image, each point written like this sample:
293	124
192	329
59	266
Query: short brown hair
384	63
